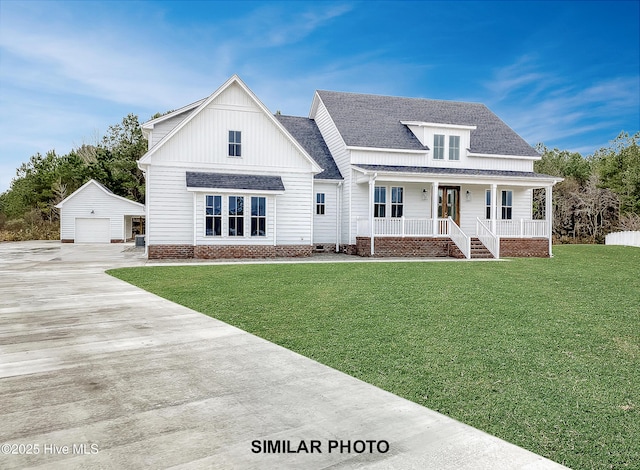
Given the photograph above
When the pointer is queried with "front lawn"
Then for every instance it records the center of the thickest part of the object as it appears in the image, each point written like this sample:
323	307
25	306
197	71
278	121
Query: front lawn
544	353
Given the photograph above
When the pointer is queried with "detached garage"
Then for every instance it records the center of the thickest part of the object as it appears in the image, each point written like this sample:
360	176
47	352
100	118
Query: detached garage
93	214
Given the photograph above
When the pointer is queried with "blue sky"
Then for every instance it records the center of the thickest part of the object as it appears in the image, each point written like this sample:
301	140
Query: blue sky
563	73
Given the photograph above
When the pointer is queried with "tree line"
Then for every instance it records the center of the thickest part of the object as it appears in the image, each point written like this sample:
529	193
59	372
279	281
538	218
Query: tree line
600	193
27	208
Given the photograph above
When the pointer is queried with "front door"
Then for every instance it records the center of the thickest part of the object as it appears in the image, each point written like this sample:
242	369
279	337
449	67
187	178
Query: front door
449	202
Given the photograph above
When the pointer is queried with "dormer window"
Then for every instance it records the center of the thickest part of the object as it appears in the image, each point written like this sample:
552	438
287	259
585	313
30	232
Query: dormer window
454	147
438	147
235	144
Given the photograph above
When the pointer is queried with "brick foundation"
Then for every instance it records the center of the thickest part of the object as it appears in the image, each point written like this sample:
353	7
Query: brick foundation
524	248
67	240
228	252
170	251
117	240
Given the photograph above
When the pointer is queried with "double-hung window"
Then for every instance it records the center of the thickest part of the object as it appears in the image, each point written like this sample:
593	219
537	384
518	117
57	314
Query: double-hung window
235	144
213	216
454	147
319	203
507	205
236	216
258	216
379	201
438	147
396	201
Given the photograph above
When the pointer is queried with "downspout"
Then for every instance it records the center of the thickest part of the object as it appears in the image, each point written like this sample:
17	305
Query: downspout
372	183
147	172
275	220
338	213
195	223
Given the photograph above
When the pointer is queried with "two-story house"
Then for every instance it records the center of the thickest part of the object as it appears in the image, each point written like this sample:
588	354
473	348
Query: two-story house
363	174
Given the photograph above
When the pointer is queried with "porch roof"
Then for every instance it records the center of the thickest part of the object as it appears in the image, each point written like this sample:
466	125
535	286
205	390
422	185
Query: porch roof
456	172
234	181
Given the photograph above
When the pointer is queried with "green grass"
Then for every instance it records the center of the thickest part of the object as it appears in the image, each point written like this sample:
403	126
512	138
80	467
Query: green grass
544	353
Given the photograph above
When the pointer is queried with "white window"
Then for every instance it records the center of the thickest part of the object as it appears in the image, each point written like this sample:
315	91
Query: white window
454	147
235	144
438	147
236	216
213	216
380	201
258	216
507	205
396	201
320	203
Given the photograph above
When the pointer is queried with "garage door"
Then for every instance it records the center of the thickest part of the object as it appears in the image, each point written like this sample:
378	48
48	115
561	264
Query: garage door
93	231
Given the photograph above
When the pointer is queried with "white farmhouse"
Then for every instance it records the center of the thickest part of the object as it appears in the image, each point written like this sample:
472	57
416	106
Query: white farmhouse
363	174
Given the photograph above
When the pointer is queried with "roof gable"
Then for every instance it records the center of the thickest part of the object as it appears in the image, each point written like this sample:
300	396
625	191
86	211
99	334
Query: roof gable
103	188
375	121
146	158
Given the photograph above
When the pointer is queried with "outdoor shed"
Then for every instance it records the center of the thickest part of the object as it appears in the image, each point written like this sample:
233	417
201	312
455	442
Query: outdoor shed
94	214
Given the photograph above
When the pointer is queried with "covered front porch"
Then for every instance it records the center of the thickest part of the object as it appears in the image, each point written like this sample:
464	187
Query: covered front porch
418	214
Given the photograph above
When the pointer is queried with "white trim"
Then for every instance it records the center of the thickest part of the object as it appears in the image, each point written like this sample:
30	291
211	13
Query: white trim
455	178
234	191
491	155
439	125
387	150
152	122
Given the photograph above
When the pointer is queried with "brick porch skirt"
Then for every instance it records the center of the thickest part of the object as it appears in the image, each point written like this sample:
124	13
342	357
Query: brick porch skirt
228	252
524	247
408	247
426	247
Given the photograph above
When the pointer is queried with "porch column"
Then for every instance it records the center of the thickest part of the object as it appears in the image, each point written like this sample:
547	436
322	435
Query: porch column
494	207
548	213
372	185
434	207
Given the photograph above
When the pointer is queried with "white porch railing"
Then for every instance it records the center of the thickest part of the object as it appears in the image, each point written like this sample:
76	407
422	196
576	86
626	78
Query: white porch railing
521	228
462	241
488	239
403	227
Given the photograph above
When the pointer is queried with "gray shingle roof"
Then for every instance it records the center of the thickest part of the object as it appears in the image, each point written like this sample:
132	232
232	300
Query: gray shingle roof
234	181
452	171
306	132
374	121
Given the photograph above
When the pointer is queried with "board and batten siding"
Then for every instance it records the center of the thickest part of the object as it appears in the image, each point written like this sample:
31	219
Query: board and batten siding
202	145
204	140
94	199
163	128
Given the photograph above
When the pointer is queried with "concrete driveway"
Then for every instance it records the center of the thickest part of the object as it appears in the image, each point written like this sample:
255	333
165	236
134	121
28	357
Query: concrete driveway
96	373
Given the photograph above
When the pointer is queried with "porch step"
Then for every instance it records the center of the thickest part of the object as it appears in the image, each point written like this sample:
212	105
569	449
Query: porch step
478	250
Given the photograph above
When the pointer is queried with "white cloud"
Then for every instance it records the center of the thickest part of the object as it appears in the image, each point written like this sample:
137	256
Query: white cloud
547	107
